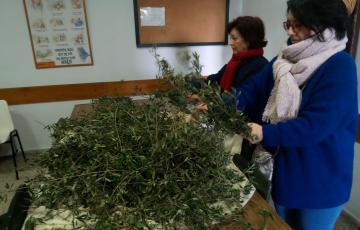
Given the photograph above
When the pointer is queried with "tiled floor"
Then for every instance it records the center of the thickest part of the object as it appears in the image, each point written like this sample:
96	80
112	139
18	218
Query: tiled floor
346	223
28	170
7	176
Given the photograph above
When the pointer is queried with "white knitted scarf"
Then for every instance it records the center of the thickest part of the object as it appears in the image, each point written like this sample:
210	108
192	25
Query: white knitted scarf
294	65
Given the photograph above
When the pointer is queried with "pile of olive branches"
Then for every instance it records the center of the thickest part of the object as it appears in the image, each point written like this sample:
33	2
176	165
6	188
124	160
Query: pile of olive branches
222	110
131	165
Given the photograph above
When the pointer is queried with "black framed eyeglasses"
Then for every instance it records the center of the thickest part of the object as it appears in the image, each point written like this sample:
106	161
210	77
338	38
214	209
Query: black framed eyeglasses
296	26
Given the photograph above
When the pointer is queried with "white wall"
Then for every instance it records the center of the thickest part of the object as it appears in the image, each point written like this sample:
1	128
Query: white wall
112	32
274	13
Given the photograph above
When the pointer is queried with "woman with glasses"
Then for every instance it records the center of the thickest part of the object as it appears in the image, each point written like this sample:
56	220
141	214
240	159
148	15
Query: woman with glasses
247	39
305	105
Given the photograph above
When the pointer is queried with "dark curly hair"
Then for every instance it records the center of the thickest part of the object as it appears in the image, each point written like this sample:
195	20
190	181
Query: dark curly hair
252	29
319	15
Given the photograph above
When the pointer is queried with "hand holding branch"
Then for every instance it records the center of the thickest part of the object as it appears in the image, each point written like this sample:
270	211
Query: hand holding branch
256	133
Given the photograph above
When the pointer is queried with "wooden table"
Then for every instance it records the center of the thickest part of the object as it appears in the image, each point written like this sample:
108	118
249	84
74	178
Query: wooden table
252	208
251	215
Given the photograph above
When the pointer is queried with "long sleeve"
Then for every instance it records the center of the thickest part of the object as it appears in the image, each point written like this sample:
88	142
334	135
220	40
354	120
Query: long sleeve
217	76
243	73
252	95
252	67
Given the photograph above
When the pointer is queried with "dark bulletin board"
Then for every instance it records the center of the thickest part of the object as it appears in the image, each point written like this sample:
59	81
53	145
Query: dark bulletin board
187	22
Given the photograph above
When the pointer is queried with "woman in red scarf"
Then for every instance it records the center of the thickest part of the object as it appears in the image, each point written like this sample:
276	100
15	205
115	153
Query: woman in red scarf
247	39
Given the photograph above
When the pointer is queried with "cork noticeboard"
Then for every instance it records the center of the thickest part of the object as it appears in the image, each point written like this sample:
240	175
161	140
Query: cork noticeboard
179	23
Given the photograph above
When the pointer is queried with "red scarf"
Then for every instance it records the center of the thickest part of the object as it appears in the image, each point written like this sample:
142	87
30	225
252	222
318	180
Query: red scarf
238	59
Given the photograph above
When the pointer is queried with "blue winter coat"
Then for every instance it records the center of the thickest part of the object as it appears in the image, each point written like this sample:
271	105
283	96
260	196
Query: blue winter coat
244	72
314	166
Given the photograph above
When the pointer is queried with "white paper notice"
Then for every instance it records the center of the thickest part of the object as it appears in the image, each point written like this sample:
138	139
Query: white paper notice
152	16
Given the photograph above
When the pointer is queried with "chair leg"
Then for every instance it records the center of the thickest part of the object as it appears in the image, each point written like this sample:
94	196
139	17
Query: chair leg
14	155
21	148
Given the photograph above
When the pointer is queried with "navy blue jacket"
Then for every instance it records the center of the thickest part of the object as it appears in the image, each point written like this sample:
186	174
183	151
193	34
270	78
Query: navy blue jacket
243	72
314	166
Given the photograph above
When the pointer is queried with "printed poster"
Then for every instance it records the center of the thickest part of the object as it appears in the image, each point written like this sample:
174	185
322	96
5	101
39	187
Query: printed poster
59	33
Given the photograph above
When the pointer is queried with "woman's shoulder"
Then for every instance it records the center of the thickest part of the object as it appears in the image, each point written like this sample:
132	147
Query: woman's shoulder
254	64
261	60
339	67
340	58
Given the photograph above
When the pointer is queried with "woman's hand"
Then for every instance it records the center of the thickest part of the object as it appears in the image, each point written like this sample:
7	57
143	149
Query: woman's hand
194	97
201	106
256	133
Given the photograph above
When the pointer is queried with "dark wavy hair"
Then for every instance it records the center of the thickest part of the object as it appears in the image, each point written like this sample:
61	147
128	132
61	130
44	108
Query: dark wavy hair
252	29
319	15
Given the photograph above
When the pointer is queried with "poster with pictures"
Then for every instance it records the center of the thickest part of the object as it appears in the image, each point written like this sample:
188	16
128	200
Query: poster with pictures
59	33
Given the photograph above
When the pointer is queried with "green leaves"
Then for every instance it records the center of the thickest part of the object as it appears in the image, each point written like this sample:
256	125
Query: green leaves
142	157
138	166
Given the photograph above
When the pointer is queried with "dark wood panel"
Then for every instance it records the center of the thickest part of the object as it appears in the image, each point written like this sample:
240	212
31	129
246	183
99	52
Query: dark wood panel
52	93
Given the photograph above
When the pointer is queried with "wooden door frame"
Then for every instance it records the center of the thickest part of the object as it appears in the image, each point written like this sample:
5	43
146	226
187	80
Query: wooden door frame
353	34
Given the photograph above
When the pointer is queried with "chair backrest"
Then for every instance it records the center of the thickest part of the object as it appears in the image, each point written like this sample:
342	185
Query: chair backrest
6	123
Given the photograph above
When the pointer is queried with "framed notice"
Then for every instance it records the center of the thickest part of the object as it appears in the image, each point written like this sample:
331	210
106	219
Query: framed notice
59	33
180	23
